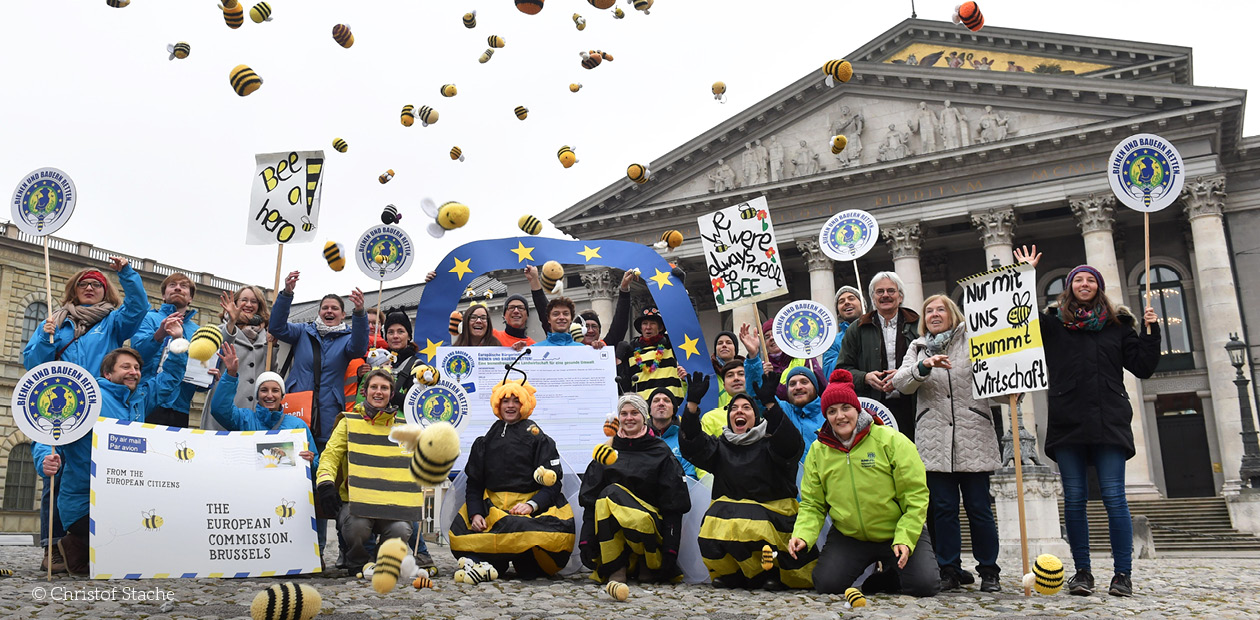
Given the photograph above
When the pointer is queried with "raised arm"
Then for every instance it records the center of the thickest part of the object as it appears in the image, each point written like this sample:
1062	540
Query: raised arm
135	304
621	317
279	325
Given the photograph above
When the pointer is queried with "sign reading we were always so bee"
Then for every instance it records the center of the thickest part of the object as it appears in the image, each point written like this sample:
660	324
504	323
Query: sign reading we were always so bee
284	198
228	504
1004	331
742	254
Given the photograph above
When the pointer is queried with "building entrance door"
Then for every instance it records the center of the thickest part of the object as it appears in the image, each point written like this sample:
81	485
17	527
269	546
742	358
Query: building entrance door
1183	445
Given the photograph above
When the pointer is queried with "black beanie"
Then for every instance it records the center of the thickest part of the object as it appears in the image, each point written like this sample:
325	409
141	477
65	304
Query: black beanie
660	390
398	318
590	315
732	336
517	297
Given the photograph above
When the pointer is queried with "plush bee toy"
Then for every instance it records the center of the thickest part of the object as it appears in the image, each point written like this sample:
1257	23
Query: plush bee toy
381	358
204	343
837	71
611	425
368	570
719	91
617	590
1047	575
853	597
566	156
544	476
767	557
422	581
604	454
449	216
426	375
838	143
434	449
638	173
669	239
389	565
552	276
286	601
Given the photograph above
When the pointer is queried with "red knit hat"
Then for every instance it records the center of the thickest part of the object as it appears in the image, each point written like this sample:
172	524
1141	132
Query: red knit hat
840	390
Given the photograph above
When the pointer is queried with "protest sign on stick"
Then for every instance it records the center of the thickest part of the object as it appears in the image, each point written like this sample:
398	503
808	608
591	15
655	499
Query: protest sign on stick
42	203
847	236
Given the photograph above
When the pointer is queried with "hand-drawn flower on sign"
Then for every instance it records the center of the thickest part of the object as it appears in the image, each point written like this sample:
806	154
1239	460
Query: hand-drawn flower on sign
770	255
718	285
761	216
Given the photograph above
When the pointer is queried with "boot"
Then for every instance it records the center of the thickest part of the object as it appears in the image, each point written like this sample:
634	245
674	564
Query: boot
75	551
58	562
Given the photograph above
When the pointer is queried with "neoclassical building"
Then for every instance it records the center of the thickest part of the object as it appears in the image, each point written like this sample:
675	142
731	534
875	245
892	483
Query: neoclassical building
965	145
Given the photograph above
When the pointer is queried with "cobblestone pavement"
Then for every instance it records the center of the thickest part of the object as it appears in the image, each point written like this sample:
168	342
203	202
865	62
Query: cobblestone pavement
1164	588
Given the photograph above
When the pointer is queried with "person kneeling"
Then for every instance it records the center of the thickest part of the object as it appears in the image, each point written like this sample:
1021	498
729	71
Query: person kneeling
514	506
633	507
871	481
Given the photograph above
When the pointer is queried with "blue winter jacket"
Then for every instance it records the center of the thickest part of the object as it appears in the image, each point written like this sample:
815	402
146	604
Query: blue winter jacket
557	339
807	419
109	334
831	355
260	418
151	351
670	437
120	403
336	350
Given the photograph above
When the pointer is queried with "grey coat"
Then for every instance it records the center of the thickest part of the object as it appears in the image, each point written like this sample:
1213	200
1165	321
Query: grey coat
953	431
253	356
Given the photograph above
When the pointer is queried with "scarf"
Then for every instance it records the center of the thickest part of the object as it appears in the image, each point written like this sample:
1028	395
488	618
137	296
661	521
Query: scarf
939	343
251	326
645	341
84	317
370	412
779	361
828	437
1087	320
751	436
515	332
325	329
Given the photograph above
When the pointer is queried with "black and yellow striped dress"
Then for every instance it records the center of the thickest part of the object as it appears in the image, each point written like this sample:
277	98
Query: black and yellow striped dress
653	366
633	505
755	503
500	474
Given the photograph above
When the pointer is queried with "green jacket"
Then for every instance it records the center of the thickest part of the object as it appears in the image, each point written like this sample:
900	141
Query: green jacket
880	494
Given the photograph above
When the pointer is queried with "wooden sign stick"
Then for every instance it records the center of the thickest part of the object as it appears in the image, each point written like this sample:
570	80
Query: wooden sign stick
1146	217
1019	485
48	295
275	295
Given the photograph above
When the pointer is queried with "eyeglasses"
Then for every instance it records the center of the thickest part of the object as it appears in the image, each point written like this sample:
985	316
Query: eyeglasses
90	284
477	319
515	308
886	291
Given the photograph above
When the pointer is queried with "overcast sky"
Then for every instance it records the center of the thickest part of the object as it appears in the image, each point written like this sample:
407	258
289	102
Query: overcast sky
162	152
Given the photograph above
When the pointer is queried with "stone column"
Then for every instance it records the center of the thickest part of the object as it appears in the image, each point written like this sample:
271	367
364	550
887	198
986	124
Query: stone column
602	288
904	242
1204	199
997	231
822	280
1095	215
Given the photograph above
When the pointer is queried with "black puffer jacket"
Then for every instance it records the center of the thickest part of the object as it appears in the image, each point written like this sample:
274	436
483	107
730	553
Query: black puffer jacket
1088	403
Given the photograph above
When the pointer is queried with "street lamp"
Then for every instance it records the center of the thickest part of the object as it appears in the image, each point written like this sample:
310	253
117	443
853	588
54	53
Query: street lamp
1250	470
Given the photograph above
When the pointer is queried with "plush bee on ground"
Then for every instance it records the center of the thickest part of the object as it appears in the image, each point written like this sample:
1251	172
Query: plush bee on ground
638	173
449	90
470	20
837	71
386	176
1047	574
427	115
332	254
457	153
604	454
854	598
342	35
495	41
566	156
529	225
179	50
260	13
617	590
449	216
151	520
408	115
422	581
233	13
521	112
244	81
286	601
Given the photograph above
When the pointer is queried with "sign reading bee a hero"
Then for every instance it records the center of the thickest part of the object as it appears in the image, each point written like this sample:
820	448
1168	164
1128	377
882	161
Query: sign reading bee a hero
284	198
1146	172
804	329
384	252
848	235
56	403
43	202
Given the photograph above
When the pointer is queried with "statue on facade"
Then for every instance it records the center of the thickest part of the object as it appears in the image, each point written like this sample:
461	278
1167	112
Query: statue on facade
762	157
925	124
776	159
954	129
748	162
804	161
850	125
722	177
993	127
895	146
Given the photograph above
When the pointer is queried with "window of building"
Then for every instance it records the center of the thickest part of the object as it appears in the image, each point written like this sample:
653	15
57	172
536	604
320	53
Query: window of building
19	482
1168	300
1054	288
32	317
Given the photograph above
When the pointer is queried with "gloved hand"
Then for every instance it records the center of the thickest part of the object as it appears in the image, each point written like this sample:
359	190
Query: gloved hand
769	383
588	546
697	387
329	499
671	534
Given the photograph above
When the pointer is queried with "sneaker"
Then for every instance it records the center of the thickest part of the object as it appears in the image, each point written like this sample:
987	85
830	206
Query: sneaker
58	562
989	582
965	577
949	580
1121	585
1082	583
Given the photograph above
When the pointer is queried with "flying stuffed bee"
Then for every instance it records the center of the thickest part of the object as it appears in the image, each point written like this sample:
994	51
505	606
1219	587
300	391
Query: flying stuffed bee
457	317
470	20
837	70
342	35
574	87
838	143
638	173
529	225
642	5
579	21
449	90
118	4
495	41
386	176
449	216
260	13
183	453
340	145
602	4
606	55
590	60
426	375
388	565
604	454
521	112
233	13
618	13
332	254
457	153
485	56
179	50
611	425
669	239
434	449
204	343
567	156
427	115
529	7
285	510
390	215
544	476
151	521
408	115
552	276
286	601
244	81
968	14
719	91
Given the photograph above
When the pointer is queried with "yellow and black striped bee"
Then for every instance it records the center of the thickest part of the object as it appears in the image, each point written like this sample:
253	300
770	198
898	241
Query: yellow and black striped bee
616	589
638	173
285	510
721	247
618	13
179	50
183	452
244	81
422	581
233	13
855	598
837	71
604	454
611	426
386	176
590	60
332	254
495	41
485	56
470	20
838	143
579	21
286	601
574	87
449	90
544	476
260	13
767	557
1019	314
567	156
427	115
642	5
118	4
340	145
307	224
521	112
747	213
529	225
151	520
457	153
6	572
342	35
408	115
672	238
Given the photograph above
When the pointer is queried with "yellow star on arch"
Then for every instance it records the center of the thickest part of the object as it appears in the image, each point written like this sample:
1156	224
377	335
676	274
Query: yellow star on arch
661	279
431	348
522	252
689	346
589	253
461	268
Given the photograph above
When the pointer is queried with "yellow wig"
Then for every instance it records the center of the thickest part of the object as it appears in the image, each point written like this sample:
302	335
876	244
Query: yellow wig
523	391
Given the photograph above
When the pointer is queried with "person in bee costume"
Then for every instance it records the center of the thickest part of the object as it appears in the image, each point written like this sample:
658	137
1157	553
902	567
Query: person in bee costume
633	508
650	362
753	465
509	513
